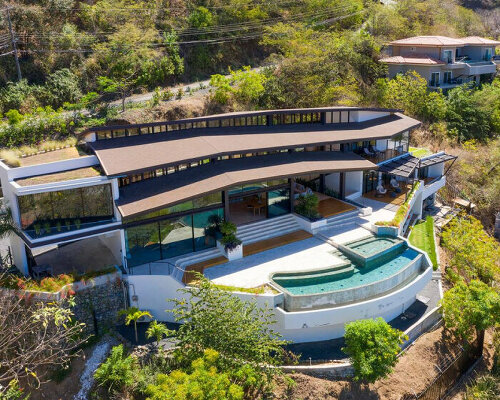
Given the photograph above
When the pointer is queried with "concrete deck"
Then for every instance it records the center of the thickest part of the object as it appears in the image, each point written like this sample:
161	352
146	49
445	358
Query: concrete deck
255	269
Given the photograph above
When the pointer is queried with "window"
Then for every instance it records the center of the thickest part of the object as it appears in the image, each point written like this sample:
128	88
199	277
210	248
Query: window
434	79
447	77
448	56
488	54
50	213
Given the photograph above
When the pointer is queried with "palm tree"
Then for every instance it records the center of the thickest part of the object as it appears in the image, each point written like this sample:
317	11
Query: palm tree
133	314
7	224
158	331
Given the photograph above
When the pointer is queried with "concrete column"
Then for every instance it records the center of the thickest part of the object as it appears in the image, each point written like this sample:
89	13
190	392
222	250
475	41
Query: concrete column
225	199
342	186
292	198
322	183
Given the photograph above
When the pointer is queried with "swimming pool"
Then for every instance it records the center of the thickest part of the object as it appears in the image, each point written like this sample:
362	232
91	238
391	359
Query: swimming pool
319	282
372	245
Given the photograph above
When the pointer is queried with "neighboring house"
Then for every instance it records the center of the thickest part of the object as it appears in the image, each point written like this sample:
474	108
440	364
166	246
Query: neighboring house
444	62
144	197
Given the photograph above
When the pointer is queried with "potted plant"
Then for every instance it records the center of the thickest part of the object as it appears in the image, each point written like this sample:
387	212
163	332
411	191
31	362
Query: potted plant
58	226
212	230
46	227
38	229
78	223
67	223
232	245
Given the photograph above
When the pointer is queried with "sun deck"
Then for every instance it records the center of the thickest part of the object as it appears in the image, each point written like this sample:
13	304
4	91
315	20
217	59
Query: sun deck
79	173
52	156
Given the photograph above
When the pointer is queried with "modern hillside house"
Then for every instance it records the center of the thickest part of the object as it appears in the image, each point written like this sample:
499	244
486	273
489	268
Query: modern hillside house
143	198
444	62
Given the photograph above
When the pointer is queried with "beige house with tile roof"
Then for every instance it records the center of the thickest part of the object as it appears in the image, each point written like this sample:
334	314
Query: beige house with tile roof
443	61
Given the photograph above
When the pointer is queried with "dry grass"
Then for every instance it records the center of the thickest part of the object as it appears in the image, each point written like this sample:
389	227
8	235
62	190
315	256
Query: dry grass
10	157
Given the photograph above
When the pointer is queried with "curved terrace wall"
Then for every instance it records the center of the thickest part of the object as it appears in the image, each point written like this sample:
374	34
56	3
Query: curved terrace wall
351	295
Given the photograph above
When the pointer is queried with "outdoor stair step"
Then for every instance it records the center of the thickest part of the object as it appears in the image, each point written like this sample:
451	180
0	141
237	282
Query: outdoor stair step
343	216
278	226
265	223
261	235
197	257
200	267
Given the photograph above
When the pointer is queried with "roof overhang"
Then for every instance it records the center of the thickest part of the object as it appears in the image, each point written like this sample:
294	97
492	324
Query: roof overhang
158	193
403	166
135	154
436	159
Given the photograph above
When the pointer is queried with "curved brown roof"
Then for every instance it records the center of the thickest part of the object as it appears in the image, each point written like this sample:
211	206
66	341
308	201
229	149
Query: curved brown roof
157	193
127	155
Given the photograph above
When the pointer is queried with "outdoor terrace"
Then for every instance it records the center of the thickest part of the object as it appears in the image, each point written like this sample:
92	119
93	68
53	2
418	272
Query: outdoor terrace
88	172
52	156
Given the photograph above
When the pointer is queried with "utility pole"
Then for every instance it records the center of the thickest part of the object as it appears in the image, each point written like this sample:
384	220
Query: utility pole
14	46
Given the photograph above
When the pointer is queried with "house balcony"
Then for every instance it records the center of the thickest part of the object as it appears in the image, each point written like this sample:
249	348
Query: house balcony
473	67
382	156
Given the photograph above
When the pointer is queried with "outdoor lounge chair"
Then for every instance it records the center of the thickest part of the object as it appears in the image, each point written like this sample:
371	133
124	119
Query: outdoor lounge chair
381	190
368	152
395	185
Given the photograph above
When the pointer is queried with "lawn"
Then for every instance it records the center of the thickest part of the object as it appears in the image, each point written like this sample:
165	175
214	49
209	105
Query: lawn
420	152
422	236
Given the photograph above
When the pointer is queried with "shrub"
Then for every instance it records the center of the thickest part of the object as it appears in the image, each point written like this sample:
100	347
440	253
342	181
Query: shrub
307	206
117	372
205	382
373	348
229	239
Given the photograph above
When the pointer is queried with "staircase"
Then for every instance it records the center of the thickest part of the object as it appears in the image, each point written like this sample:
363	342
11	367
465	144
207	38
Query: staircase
267	229
193	258
341	220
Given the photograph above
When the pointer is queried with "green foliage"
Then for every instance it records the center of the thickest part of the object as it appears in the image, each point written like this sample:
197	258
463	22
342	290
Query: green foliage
401	211
473	253
238	330
409	92
465	116
373	347
485	387
307	206
118	371
203	382
470	308
12	392
61	86
158	331
229	238
133	314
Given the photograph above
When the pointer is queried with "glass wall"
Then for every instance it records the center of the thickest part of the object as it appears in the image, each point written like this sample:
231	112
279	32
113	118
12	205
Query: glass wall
170	238
199	202
51	213
278	202
257	185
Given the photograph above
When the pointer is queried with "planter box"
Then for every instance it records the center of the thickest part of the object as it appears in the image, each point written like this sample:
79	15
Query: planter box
231	255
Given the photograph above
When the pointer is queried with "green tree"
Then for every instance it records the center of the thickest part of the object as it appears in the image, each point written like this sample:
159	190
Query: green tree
7	224
62	86
373	347
409	92
238	330
158	331
469	309
133	314
204	382
117	371
473	253
464	117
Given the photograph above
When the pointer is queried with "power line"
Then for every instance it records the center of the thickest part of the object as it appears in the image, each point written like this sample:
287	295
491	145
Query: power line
204	41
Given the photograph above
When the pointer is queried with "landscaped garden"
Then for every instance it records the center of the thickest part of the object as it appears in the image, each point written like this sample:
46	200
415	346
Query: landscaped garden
422	236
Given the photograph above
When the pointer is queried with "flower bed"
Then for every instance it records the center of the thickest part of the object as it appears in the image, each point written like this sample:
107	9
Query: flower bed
50	284
402	210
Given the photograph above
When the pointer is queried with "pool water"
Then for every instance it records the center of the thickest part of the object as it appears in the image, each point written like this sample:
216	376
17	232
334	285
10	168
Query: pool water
383	267
372	245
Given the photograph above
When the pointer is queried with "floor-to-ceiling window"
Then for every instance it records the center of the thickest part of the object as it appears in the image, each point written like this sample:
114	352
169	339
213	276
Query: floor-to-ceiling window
166	237
61	211
278	202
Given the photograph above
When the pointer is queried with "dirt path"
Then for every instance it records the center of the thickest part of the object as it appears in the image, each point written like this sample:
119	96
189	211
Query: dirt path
415	370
